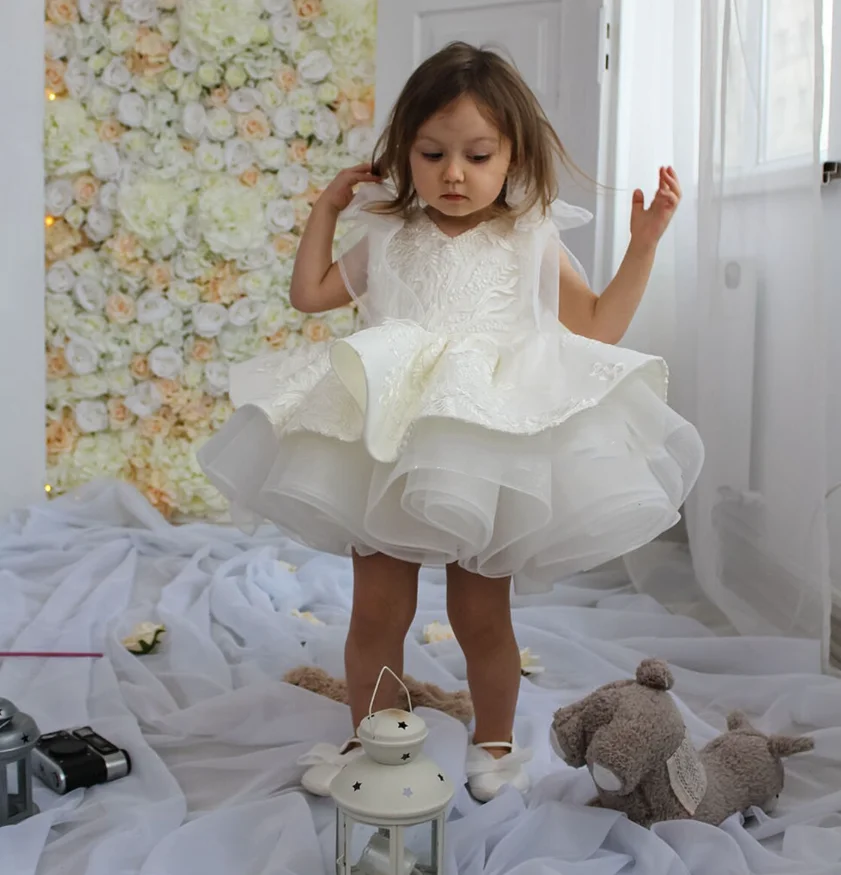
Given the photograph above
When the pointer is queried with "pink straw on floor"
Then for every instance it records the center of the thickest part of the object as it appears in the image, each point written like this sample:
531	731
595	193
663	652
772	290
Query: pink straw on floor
37	655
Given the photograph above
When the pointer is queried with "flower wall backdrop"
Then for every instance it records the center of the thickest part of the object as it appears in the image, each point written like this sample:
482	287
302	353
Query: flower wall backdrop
185	143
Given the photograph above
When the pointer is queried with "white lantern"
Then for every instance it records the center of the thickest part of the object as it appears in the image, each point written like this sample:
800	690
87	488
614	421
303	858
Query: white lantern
18	734
392	786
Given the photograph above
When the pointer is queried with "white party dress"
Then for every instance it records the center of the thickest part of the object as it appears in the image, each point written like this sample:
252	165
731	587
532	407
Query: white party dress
463	423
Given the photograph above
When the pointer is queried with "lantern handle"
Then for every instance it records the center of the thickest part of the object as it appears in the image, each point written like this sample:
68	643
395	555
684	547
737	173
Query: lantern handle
383	670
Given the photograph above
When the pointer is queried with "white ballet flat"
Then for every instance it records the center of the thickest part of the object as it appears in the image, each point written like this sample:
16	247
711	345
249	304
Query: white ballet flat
487	774
325	761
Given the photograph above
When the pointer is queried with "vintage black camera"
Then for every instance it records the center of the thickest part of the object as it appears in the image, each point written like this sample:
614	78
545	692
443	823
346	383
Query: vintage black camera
69	759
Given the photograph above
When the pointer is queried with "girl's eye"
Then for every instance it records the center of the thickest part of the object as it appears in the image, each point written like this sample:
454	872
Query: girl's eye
478	159
432	156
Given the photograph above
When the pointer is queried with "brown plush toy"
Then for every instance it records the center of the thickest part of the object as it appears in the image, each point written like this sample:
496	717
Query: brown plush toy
633	740
424	695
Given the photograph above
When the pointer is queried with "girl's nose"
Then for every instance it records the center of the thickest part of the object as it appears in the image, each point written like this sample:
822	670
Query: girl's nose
453	172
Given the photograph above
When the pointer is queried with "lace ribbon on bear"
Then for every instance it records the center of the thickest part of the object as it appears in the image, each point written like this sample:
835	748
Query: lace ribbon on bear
687	775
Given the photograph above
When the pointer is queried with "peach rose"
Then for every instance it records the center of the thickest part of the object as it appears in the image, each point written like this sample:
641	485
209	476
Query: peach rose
307	10
302	210
286	78
202	349
297	151
85	190
315	331
197	411
168	388
188	145
110	130
223	285
151	44
120	308
279	339
285	244
61	437
54	76
159	275
57	364
250	177
312	194
126	251
362	111
253	125
167	4
119	416
61	240
139	367
218	97
62	11
157	425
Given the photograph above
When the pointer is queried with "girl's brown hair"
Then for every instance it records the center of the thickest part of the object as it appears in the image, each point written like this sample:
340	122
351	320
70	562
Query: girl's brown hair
458	70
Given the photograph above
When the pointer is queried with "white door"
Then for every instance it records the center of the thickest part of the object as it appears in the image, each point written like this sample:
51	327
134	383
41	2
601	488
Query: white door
560	46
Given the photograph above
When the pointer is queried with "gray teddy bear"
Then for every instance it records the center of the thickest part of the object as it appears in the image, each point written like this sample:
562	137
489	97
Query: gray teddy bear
633	740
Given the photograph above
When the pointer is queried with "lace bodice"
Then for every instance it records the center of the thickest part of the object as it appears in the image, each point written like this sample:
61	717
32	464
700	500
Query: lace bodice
464	284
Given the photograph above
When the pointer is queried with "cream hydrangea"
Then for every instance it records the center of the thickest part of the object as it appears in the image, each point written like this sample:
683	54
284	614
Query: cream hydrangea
69	137
152	208
231	218
217	30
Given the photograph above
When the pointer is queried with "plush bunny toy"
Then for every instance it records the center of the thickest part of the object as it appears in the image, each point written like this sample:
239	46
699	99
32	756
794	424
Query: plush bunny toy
633	740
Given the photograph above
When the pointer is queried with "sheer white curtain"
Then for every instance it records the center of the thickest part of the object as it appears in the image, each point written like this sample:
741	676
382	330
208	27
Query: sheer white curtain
750	307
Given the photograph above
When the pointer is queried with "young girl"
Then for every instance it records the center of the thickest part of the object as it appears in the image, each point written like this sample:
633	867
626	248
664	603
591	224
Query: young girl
481	420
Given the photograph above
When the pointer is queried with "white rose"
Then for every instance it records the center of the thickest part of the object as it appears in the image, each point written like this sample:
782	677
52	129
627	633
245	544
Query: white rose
57	41
235	76
91	38
244	99
183	59
135	144
79	78
244	311
284	28
216	378
131	110
220	124
170	27
360	142
108	195
120	380
183	294
257	258
231	218
325	126
99	224
209	157
140	10
88	386
219	29
92	10
280	216
153	209
58	196
325	28
75	216
188	265
86	262
89	293
306	125
275	315
165	362
82	356
194	120
271	153
91	416
285	121
122	37
259	67
256	284
59	310
141	337
144	399
173	79
190	180
304	99
102	102
152	307
315	66
117	75
60	278
341	322
239	156
105	161
209	319
209	75
294	179
69	137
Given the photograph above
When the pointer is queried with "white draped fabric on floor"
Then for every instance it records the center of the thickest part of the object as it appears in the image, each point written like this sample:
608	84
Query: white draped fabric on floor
214	734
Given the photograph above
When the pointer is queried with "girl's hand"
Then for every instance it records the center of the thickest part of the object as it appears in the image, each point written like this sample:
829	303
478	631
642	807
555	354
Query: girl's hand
649	225
339	193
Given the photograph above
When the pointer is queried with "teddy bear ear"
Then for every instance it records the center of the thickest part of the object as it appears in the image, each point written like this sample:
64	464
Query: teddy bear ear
786	745
738	720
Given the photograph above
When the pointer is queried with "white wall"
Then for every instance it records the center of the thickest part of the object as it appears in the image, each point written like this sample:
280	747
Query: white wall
21	255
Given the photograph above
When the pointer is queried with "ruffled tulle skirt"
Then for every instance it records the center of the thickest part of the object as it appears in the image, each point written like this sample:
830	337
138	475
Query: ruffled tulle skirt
438	450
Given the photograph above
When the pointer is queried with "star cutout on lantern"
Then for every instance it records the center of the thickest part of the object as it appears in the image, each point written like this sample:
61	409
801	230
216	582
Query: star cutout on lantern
357	786
24	738
406	756
440	777
407	792
402	725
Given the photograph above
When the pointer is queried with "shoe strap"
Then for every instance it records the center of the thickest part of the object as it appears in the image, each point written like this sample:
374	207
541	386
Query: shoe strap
488	744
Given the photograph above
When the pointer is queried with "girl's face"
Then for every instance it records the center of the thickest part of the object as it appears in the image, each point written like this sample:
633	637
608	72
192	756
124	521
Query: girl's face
459	160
